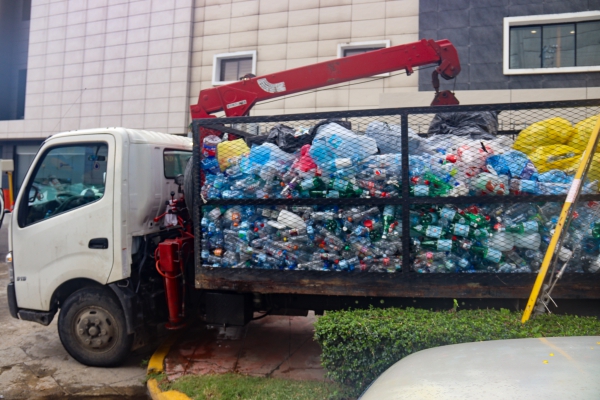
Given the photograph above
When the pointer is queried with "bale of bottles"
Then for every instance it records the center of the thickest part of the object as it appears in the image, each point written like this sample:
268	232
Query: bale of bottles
331	160
502	238
303	238
341	163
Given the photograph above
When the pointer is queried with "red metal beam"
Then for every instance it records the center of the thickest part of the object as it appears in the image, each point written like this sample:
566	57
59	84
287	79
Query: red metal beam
237	98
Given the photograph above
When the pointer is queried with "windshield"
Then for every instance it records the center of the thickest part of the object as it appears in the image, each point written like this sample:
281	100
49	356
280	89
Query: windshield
67	177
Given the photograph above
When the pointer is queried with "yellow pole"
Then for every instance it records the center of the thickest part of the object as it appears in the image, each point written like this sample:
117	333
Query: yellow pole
10	191
586	158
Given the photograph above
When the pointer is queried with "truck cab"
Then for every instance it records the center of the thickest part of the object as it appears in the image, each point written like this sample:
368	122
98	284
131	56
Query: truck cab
83	217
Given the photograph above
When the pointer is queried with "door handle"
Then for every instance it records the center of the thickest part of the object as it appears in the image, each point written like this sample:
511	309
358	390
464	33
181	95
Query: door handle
98	243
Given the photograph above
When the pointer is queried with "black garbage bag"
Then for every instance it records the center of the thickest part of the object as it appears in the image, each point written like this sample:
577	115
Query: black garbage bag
476	125
285	137
282	136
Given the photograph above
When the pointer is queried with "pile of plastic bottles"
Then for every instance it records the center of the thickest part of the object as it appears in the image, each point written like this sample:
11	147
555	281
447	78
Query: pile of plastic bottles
502	238
443	239
343	164
302	238
340	163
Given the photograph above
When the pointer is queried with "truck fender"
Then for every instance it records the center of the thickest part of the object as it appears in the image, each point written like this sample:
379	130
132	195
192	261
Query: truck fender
128	300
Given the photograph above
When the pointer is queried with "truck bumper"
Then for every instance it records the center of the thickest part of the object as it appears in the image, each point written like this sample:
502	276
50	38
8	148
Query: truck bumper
12	300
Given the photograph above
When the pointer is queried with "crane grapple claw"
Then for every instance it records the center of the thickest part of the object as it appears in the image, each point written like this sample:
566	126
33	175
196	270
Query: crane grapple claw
445	98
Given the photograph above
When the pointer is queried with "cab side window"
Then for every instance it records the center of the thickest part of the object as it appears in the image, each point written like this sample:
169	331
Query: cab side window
67	177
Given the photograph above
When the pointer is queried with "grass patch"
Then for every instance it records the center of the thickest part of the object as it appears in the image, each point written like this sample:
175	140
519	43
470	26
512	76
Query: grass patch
358	345
237	387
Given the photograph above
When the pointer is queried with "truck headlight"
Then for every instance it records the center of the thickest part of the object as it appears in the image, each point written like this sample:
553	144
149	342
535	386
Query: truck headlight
11	268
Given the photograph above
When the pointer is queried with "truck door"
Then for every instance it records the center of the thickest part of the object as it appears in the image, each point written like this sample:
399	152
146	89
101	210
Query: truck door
64	218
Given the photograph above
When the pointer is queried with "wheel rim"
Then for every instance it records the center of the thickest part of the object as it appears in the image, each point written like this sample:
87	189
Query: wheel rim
95	328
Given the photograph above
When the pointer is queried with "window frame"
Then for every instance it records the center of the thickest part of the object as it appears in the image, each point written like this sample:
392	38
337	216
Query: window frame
165	165
546	19
341	47
217	58
38	161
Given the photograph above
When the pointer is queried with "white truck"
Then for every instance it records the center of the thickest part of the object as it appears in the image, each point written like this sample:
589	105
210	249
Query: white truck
85	230
88	237
83	218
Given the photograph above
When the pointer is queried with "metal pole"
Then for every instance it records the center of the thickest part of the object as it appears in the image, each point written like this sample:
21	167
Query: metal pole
586	159
10	191
406	263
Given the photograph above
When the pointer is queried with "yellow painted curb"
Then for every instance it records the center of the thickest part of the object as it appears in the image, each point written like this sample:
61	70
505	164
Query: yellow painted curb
157	394
156	365
157	361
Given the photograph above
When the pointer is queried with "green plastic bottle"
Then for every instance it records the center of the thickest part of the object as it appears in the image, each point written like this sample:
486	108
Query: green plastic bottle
353	191
311	184
476	220
452	215
439	245
596	229
318	194
388	220
429	218
438	187
459	230
340	184
488	253
523	227
432	231
469	231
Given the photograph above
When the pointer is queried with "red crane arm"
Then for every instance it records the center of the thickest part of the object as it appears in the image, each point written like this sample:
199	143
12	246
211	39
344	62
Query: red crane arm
237	98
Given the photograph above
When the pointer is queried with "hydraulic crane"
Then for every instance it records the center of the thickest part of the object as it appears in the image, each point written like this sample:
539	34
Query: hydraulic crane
236	99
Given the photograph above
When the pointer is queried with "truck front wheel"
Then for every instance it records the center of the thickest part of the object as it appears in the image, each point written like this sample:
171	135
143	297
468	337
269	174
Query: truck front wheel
92	329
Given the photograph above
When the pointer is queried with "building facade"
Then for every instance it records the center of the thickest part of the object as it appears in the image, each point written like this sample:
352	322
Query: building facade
74	64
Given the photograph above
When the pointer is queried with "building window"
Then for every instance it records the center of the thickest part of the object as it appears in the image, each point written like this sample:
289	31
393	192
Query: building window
354	48
351	49
556	43
359	50
230	67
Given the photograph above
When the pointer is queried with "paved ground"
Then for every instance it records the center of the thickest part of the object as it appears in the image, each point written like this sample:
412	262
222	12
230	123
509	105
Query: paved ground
33	363
276	346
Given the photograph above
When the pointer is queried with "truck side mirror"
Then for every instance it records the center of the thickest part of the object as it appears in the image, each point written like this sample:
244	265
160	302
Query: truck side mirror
34	193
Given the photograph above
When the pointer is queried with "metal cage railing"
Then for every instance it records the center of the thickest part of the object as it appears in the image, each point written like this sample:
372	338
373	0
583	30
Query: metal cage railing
496	171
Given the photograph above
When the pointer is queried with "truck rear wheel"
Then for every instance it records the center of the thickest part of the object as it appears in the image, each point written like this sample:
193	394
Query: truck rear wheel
92	329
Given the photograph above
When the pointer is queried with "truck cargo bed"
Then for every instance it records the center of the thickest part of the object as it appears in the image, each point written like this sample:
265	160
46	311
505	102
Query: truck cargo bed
405	283
515	286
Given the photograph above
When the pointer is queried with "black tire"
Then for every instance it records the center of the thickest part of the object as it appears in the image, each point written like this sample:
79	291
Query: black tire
92	328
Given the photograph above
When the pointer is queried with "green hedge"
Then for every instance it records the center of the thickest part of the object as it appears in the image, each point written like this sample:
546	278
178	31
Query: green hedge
359	345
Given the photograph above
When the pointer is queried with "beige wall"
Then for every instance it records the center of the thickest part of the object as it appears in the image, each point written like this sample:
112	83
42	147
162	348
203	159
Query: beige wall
291	33
106	63
141	63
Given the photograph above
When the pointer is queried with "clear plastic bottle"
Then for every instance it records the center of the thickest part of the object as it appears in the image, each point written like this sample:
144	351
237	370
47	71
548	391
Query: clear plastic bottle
516	258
